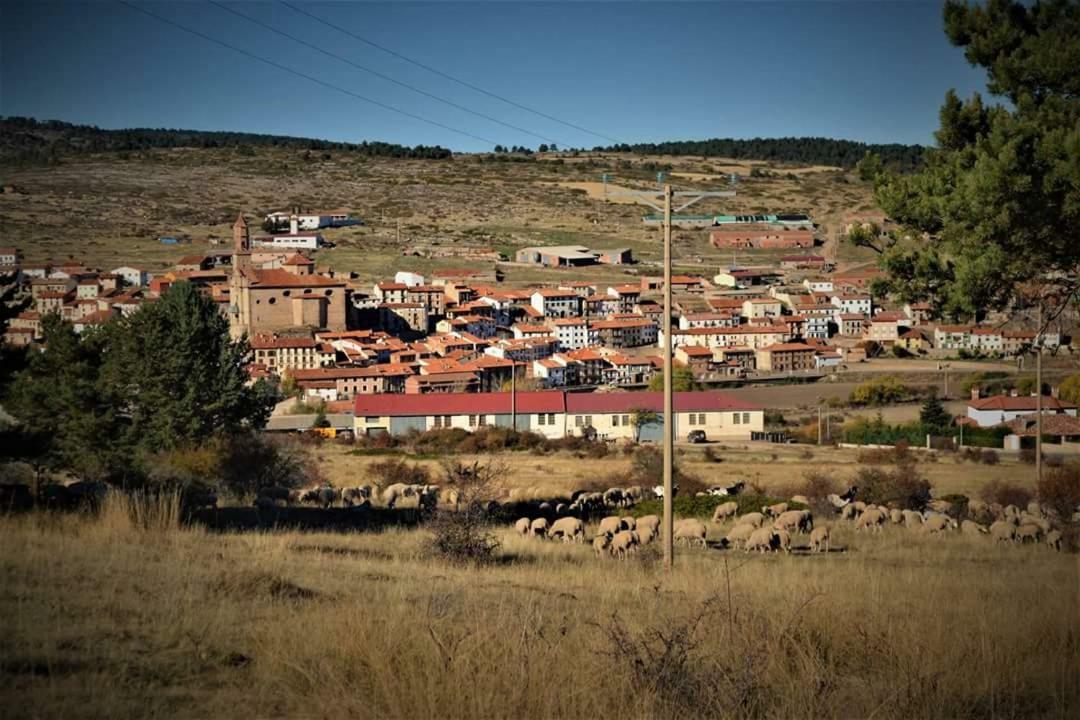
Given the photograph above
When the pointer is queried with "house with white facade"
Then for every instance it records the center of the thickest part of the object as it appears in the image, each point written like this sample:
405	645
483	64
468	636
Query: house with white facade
556	303
998	409
132	276
852	303
573	333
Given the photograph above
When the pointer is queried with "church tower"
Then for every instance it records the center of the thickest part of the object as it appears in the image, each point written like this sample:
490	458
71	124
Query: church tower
241	245
239	296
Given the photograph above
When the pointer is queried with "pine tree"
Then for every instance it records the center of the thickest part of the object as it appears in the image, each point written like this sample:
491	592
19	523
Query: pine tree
933	414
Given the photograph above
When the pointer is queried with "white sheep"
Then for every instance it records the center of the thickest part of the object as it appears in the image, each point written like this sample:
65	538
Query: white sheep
739	534
774	510
849	512
622	543
522	526
912	519
1053	540
395	492
783	540
539	527
762	540
570	529
601	544
647	533
755	518
819	539
801	499
873	519
795	521
1029	531
611	524
690	530
648	521
1003	530
938	523
724	511
970	527
896	517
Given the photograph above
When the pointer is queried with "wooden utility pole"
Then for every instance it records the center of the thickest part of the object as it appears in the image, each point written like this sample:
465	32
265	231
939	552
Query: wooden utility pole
669	380
1038	395
819	424
513	394
650	199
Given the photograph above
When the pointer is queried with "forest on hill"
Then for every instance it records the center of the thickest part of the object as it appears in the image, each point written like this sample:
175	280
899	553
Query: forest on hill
26	140
805	150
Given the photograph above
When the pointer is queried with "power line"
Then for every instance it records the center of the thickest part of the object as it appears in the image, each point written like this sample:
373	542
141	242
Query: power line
375	72
298	73
440	73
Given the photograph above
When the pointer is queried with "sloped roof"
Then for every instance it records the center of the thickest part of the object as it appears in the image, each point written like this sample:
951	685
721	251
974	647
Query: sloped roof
627	401
458	404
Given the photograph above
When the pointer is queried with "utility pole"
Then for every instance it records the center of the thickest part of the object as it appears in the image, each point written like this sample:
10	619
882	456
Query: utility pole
513	394
819	424
650	198
1038	395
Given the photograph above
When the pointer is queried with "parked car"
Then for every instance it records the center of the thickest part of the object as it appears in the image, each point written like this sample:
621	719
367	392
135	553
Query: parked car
696	436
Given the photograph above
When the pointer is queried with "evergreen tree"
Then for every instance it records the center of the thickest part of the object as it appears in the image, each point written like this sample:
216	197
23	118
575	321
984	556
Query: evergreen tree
174	371
933	414
991	219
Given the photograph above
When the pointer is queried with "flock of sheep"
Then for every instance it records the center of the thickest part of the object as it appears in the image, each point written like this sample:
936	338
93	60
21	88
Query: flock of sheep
325	496
772	529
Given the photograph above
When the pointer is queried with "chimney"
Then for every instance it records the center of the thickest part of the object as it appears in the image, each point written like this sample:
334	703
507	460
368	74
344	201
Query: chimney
294	225
1012	392
975	392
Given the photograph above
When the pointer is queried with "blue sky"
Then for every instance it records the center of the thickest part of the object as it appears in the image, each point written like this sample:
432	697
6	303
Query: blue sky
870	71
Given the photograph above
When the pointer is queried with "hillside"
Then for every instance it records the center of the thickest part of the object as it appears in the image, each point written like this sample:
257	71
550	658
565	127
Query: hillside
108	208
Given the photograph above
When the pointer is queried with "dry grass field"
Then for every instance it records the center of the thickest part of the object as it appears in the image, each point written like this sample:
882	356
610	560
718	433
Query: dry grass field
129	615
109	210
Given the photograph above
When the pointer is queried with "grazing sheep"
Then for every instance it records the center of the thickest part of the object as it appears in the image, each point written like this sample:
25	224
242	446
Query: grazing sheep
977	508
738	535
356	495
628	523
801	499
395	492
725	511
328	496
690	530
601	543
754	518
774	510
622	543
970	527
1053	540
896	517
1026	518
614	497
873	519
912	519
763	540
523	525
819	539
646	521
611	524
836	501
570	529
795	520
1030	532
647	533
560	509
938	523
859	506
849	512
1034	508
941	506
538	527
1003	530
783	540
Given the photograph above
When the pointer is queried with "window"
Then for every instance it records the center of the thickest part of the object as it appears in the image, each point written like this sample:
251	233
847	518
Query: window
746	418
436	421
472	421
483	420
286	293
551	418
735	418
578	421
541	419
625	420
614	421
588	420
693	419
701	419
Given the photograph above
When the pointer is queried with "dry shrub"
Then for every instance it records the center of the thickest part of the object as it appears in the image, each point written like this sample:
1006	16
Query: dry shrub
395	470
1005	493
1059	490
900	454
463	536
902	487
141	512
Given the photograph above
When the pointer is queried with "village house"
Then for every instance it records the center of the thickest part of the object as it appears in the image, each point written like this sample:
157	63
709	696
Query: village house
132	276
278	354
333	383
885	327
804	262
851	324
442	383
998	409
403	318
913	340
952	337
708	319
614	415
626	296
589	362
391	292
919	313
752	337
556	303
550	372
624	370
624	332
852	303
761	308
786	357
824	286
573	333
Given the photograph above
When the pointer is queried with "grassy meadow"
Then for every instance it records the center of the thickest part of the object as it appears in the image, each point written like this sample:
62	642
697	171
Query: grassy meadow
128	614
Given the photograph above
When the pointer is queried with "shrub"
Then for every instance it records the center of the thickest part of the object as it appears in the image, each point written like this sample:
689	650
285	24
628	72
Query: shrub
1059	489
1005	493
989	457
395	470
702	506
463	536
880	391
903	487
711	456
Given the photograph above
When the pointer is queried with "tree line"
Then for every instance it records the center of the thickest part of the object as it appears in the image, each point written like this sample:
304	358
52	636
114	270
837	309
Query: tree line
25	139
805	150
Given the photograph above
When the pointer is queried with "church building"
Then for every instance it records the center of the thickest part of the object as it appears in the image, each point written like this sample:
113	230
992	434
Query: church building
272	300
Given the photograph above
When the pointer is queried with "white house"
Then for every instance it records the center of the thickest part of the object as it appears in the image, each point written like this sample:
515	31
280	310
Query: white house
9	256
132	276
556	303
550	371
574	333
852	303
991	411
410	279
818	285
